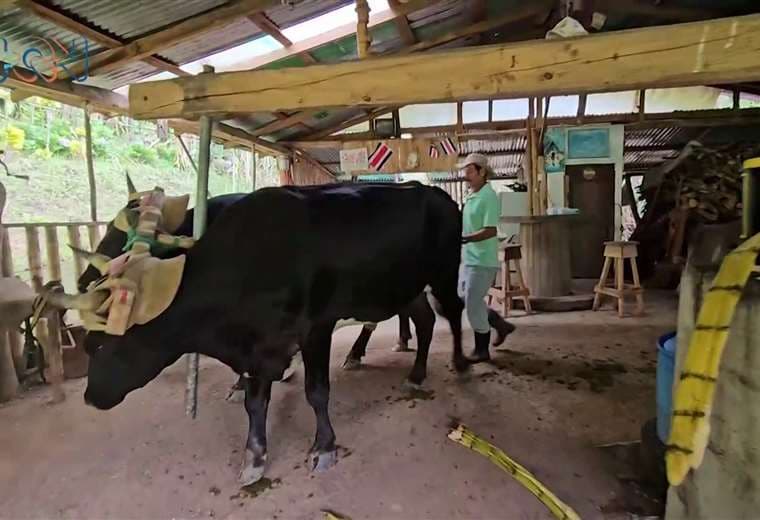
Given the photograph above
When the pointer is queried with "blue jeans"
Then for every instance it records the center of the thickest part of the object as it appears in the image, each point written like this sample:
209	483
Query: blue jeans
474	282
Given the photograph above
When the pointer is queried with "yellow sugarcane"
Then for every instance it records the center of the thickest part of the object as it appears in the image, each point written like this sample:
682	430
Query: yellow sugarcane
466	438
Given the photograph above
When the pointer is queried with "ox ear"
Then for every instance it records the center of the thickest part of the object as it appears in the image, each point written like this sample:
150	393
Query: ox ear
125	220
157	288
173	212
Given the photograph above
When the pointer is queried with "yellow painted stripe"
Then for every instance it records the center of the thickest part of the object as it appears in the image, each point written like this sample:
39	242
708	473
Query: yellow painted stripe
689	434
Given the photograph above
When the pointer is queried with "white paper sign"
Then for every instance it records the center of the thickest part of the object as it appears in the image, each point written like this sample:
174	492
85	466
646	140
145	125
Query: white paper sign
353	160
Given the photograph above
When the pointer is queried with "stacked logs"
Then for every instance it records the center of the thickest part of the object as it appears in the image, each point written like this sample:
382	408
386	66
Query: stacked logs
707	183
703	186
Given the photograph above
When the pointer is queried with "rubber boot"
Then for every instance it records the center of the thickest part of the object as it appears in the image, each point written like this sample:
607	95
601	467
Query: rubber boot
481	354
502	327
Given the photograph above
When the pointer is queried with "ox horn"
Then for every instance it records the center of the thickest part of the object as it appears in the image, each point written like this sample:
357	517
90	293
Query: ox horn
89	301
99	261
131	187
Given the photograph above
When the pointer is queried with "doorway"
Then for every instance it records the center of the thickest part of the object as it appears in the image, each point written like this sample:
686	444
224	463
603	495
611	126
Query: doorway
592	192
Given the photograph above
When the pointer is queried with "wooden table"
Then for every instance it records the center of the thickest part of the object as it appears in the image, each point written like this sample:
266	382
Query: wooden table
545	244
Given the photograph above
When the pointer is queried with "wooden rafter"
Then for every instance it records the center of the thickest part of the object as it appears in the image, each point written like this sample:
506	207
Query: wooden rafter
516	15
402	23
263	22
351	122
66	21
323	39
170	36
700	53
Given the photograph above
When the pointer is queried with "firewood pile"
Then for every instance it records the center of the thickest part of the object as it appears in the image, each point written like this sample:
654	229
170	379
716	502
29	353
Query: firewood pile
702	186
705	181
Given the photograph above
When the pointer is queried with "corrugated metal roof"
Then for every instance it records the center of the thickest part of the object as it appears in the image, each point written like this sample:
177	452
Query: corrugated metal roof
22	31
285	16
129	19
211	42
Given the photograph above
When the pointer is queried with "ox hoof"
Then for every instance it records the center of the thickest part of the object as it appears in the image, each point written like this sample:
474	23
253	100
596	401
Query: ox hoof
411	387
402	347
352	364
252	470
235	395
461	365
322	461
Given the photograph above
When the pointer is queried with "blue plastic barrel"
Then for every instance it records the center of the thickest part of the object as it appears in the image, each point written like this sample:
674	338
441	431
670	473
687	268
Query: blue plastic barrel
666	350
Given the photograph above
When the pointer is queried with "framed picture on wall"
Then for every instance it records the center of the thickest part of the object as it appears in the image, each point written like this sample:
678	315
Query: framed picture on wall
588	143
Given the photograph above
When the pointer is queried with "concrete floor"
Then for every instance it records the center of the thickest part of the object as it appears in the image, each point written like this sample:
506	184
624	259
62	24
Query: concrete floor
562	384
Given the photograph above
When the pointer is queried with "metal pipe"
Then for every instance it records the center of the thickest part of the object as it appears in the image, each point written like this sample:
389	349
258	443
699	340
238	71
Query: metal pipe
750	198
199	226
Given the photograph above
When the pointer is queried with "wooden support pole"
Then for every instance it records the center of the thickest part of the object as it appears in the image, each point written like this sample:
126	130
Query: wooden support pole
90	165
737	97
53	253
363	38
54	355
33	255
75	240
93	234
187	152
581	107
199	226
253	168
529	155
642	104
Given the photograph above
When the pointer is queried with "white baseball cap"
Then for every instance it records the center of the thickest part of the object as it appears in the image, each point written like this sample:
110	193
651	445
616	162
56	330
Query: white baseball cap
477	159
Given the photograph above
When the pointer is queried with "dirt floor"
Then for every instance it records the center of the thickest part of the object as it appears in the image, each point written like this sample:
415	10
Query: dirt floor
561	385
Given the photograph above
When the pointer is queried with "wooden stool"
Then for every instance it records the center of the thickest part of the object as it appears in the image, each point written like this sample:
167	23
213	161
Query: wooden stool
619	251
506	291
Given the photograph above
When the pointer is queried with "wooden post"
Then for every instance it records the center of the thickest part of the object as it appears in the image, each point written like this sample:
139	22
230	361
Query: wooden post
90	165
187	152
581	108
54	355
53	253
93	233
199	226
363	38
253	167
529	154
642	104
76	241
33	255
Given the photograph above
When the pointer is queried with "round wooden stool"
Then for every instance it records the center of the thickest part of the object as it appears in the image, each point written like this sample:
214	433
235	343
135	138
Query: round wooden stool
619	251
504	293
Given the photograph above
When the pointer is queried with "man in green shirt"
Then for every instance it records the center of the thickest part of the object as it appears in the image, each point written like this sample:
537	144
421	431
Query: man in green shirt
480	258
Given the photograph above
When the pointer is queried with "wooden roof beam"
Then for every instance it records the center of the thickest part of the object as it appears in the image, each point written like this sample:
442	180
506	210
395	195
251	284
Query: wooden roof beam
700	53
263	22
170	36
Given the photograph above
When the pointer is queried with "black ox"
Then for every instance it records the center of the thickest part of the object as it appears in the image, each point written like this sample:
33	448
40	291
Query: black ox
273	274
114	240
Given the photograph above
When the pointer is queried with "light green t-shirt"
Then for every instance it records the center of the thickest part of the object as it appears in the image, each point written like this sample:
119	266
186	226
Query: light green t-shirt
481	210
